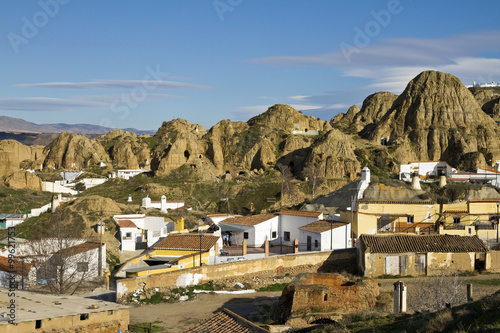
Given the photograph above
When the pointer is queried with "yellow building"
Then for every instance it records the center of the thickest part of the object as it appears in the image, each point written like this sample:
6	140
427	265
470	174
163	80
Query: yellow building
374	217
174	252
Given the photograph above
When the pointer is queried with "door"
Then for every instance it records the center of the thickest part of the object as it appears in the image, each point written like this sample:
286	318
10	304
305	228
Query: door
392	265
309	243
420	263
403	265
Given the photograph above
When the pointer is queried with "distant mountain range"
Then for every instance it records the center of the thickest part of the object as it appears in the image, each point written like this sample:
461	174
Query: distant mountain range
8	124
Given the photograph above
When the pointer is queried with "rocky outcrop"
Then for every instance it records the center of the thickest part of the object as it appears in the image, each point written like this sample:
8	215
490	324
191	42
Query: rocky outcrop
373	110
72	151
24	180
126	149
334	156
15	155
319	292
489	100
440	117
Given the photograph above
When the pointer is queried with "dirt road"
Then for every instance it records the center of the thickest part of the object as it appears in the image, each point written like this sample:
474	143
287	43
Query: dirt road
177	317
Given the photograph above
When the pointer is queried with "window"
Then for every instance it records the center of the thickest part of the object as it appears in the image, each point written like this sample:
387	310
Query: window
456	220
273	235
287	236
110	312
245	235
82	266
128	235
84	316
316	243
38	324
410	219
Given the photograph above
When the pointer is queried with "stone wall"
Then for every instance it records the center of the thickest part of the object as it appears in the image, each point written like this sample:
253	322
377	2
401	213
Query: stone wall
290	264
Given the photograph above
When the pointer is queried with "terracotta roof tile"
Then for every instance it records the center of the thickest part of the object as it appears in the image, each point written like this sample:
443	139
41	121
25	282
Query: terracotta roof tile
299	213
126	224
322	226
80	248
422	243
249	220
226	321
187	242
19	266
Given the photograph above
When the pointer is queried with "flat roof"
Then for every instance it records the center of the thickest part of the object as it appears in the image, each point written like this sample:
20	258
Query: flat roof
34	306
147	268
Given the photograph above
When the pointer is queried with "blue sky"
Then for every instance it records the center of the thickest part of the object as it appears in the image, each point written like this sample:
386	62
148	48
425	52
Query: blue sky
138	63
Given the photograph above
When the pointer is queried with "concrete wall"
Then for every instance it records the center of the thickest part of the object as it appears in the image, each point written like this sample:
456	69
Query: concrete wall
217	272
341	239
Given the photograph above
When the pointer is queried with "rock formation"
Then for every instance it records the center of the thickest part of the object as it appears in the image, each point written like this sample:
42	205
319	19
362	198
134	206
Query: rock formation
440	116
13	154
322	292
374	108
24	180
73	151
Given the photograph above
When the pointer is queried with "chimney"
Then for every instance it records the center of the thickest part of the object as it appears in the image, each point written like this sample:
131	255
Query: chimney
415	182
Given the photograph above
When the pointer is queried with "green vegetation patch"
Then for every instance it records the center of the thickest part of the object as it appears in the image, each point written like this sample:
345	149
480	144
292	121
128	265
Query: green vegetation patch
274	287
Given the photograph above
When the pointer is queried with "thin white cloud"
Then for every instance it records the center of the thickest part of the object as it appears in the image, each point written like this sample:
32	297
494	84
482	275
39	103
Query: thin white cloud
389	64
299	98
117	84
396	52
73	103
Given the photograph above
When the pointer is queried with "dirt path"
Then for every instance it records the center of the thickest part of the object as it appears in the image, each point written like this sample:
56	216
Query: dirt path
178	317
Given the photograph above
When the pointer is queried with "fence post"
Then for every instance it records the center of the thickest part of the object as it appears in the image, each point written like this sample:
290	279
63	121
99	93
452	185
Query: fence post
469	293
399	297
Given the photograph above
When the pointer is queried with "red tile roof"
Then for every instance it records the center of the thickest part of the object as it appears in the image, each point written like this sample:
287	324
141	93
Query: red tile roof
249	220
76	249
299	213
322	226
226	321
422	243
187	242
126	224
20	268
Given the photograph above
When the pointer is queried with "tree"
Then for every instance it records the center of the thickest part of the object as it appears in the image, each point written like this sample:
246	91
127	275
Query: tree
433	293
63	259
286	177
312	172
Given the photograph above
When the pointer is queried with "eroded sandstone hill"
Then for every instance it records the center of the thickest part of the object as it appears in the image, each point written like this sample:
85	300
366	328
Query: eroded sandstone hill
435	118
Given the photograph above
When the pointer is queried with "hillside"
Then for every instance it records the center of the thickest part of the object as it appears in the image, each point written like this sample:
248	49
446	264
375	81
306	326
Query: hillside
16	125
435	118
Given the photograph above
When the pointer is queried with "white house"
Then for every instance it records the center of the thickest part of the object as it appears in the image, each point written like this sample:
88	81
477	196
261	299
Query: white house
289	223
255	229
136	231
126	173
38	261
10	220
91	182
425	169
281	228
325	236
163	205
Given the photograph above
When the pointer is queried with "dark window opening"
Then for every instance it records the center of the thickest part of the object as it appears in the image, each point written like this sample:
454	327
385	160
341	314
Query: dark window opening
291	164
38	324
325	298
316	243
110	312
409	219
273	234
287	236
245	235
84	316
306	130
456	220
227	172
199	156
186	154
